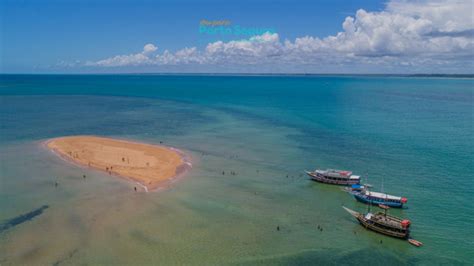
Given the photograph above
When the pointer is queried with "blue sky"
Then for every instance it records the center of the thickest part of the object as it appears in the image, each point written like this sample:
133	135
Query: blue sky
109	36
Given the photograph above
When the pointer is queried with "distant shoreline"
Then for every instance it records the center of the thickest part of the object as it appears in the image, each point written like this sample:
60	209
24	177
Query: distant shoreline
455	76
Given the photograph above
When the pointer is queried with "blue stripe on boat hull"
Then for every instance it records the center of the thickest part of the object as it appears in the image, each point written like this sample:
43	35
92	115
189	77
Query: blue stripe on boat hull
377	202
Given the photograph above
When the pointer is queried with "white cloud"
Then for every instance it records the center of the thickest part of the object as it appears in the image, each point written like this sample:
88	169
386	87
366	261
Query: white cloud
445	15
251	51
183	56
128	60
149	48
405	34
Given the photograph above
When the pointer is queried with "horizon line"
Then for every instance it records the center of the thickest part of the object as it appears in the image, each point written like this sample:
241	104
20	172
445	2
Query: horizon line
251	74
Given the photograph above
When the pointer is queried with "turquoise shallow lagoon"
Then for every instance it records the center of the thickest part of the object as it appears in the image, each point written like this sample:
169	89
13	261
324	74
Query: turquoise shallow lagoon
415	134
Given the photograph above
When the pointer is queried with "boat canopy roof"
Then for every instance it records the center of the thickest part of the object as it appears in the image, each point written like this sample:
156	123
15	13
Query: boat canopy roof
354	177
381	195
335	173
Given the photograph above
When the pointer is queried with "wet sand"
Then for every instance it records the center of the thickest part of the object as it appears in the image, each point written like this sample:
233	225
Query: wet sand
149	165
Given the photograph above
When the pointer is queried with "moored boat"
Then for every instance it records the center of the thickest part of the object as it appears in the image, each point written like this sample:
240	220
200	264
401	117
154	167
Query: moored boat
415	242
364	195
336	177
383	223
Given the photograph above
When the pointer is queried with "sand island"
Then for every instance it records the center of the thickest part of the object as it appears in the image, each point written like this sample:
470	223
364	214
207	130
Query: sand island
148	165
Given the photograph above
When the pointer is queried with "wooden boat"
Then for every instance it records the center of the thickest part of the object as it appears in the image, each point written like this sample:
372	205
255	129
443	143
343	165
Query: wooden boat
383	223
335	177
415	242
364	195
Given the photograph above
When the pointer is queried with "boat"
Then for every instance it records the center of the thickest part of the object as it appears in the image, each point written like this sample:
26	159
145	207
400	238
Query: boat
336	177
415	242
364	195
383	223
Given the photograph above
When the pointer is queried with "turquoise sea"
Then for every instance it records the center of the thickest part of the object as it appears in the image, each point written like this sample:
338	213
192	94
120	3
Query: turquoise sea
415	134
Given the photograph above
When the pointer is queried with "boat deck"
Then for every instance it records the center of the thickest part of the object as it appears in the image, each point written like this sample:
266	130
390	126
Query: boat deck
387	220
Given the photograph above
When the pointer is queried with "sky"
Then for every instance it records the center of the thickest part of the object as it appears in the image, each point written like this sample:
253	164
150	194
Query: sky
228	36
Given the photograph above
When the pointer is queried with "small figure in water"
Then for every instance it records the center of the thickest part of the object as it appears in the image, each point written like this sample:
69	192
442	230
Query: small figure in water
56	184
135	188
84	176
223	173
278	228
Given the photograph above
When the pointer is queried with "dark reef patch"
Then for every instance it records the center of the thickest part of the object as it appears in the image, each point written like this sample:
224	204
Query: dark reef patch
22	218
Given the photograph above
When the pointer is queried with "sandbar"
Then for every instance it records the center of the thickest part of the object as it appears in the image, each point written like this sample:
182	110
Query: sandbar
146	164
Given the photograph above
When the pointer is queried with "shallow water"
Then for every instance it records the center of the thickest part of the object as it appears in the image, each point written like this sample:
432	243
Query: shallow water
414	134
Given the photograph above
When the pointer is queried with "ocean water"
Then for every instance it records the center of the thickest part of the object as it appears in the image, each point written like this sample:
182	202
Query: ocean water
414	136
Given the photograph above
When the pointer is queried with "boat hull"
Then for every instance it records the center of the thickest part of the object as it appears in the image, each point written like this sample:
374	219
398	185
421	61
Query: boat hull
377	201
323	179
371	226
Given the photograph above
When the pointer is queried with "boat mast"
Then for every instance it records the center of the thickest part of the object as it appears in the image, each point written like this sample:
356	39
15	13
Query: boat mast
367	179
384	192
385	208
382	183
